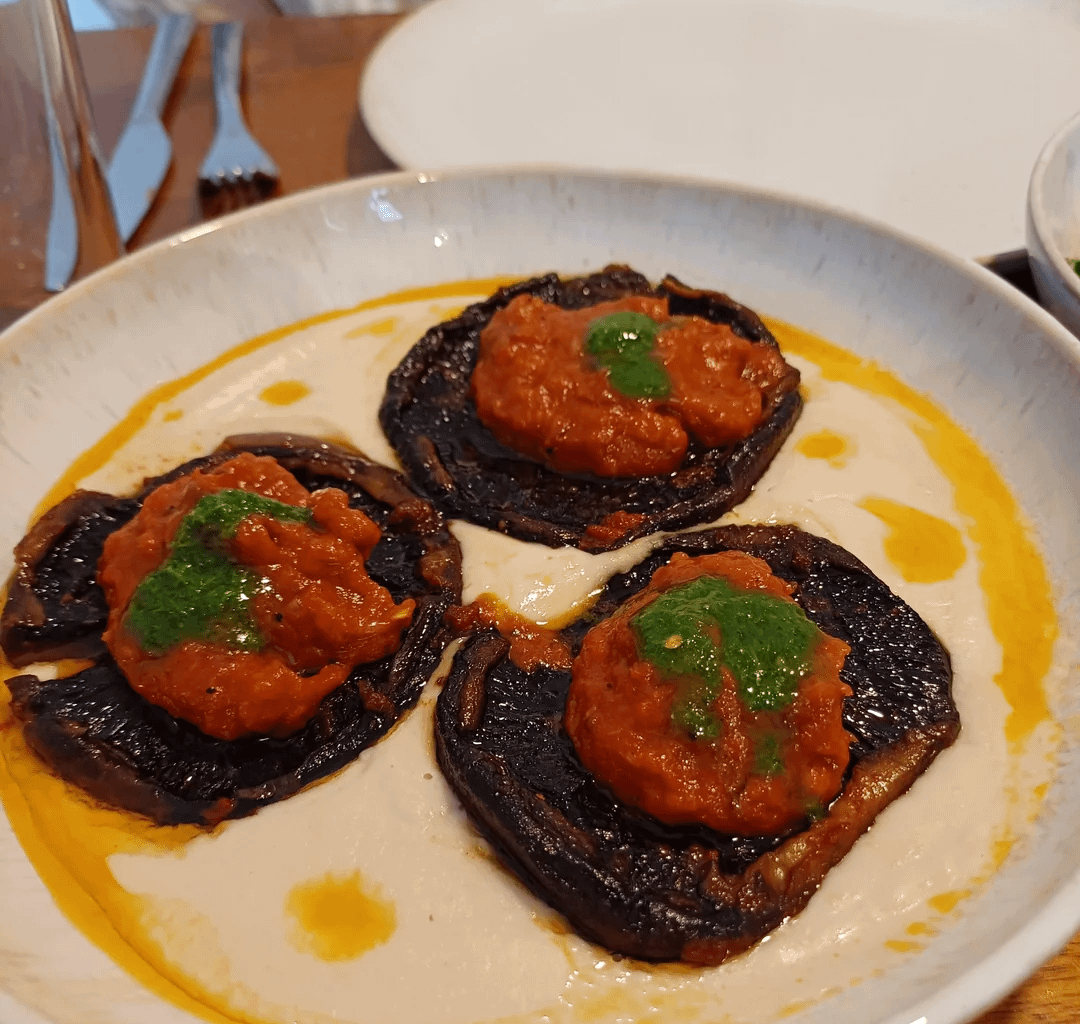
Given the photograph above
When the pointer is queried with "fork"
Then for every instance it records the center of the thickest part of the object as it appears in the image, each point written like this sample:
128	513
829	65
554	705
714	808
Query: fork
237	171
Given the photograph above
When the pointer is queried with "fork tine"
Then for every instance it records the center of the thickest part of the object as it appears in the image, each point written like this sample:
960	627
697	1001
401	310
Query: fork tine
237	171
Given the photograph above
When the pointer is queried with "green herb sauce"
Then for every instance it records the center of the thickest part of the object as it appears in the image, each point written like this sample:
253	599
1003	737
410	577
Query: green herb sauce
767	756
199	592
623	343
692	631
815	810
691	712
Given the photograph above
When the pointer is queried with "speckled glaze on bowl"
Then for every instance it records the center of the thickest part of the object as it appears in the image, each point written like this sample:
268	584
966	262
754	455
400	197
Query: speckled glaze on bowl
1053	224
1004	369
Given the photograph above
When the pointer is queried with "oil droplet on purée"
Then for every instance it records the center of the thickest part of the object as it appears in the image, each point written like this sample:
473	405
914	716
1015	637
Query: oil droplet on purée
903	945
337	917
923	547
827	445
387	326
172	415
285	392
946	902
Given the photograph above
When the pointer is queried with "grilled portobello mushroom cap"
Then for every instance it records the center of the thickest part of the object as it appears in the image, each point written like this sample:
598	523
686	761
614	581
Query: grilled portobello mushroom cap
94	730
429	417
646	889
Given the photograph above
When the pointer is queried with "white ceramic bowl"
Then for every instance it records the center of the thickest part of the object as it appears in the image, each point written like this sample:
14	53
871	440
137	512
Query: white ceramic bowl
1053	224
1003	369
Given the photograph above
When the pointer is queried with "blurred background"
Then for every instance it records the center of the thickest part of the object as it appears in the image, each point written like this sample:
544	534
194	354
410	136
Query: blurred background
89	15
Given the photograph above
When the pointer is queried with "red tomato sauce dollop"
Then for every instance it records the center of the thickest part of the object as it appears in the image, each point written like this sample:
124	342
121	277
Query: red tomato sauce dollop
538	393
619	717
320	612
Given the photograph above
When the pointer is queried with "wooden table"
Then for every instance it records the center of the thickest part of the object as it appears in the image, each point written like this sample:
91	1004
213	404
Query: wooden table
300	87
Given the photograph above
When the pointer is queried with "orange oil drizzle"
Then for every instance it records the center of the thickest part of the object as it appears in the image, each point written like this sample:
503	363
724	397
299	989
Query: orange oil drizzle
91	460
285	392
827	445
338	917
923	547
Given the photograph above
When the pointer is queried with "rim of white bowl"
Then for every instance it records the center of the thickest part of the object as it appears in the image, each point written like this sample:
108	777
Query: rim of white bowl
981	986
424	176
1040	216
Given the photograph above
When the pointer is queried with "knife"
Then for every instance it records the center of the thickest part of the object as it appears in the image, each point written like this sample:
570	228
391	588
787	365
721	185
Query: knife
143	154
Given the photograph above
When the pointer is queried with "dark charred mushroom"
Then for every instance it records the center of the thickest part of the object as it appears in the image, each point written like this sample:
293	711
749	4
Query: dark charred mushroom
97	732
660	892
430	419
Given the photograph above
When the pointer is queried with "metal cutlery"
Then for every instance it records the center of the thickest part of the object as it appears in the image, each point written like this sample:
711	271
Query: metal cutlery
144	152
237	171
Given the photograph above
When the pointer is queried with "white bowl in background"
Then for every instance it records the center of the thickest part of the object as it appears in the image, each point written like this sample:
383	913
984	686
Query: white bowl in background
1053	224
895	109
